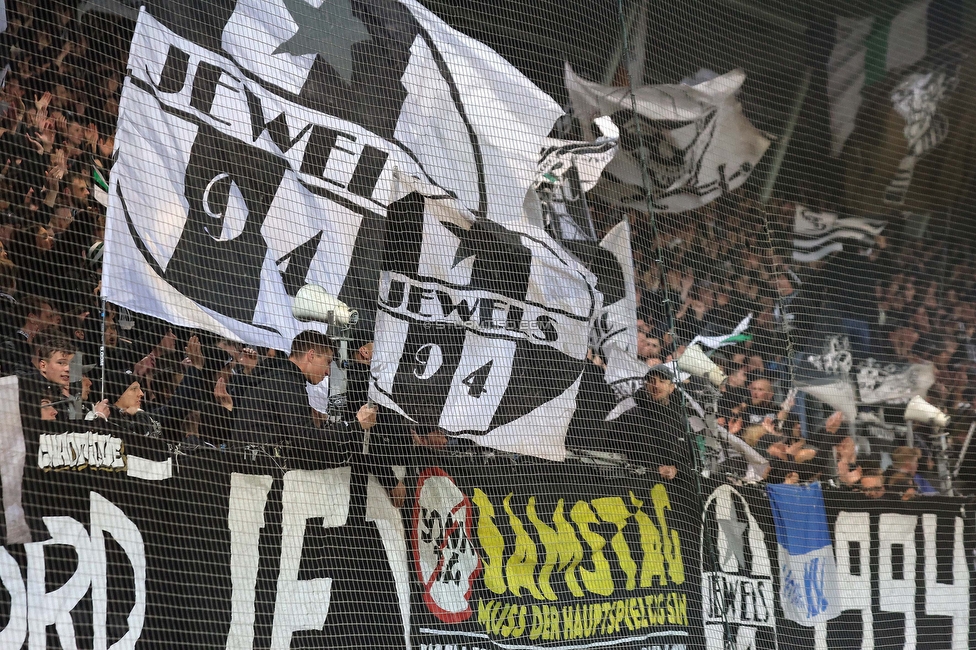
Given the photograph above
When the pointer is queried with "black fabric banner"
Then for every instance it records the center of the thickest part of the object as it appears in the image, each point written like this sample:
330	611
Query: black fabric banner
904	570
134	547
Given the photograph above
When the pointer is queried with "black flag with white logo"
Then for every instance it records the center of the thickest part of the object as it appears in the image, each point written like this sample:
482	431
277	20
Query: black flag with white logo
482	330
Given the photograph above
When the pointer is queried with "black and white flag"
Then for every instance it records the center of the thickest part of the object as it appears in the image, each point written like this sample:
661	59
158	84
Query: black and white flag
893	383
481	329
917	99
695	140
253	165
614	334
818	234
567	170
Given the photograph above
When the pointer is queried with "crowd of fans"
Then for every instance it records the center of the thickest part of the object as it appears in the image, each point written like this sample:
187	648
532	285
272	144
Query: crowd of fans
697	273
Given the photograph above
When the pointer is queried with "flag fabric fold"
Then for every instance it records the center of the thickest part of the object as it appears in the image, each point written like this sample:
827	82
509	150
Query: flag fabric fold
695	140
865	50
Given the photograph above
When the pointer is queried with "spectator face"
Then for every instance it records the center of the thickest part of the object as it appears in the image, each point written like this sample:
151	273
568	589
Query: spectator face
316	365
60	220
79	189
910	467
44	239
648	347
48	317
873	486
131	399
48	412
783	285
659	388
75	134
57	368
761	391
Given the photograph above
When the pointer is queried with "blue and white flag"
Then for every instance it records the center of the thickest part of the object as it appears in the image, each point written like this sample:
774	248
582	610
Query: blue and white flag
808	587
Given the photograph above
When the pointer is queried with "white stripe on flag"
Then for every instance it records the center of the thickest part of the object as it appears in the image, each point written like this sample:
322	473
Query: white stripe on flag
836	234
813	256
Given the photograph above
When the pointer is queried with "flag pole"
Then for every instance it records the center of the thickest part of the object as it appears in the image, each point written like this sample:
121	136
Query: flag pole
101	354
784	140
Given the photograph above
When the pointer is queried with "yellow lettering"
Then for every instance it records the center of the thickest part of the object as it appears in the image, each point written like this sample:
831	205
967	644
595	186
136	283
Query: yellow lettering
599	580
682	609
520	627
659	612
520	568
607	618
537	623
613	510
568	622
484	613
652	564
509	625
563	550
577	623
635	613
619	613
596	613
554	622
672	544
492	543
498	615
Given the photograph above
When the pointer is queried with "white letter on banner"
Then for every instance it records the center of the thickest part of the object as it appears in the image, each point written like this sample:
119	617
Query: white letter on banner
245	518
856	594
947	600
14	634
304	604
107	517
54	608
898	595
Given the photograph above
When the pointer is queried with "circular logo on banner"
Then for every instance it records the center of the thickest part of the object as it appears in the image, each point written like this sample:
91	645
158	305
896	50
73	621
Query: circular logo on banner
446	561
738	597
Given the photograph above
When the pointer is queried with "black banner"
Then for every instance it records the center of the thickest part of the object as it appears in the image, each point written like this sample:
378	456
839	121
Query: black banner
904	571
132	546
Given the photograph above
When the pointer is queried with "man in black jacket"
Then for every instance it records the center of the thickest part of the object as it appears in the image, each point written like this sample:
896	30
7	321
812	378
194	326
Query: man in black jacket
275	409
653	432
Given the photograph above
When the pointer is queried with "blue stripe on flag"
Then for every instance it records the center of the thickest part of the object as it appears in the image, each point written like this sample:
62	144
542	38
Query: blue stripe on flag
800	517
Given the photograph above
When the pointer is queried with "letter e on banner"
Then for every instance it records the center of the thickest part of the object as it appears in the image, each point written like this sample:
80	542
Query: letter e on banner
446	561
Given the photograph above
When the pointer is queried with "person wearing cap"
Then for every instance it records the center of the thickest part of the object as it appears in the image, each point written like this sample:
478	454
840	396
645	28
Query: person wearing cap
122	410
652	434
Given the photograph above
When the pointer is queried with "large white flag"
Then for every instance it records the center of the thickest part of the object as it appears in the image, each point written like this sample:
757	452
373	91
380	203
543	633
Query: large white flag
695	141
482	329
244	174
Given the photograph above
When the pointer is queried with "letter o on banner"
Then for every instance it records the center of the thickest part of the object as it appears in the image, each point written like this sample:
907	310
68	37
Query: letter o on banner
15	633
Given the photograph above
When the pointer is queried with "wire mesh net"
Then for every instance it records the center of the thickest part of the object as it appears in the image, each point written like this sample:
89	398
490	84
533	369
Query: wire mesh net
373	323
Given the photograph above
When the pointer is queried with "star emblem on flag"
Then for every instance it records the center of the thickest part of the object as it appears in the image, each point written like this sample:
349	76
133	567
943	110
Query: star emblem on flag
329	31
733	529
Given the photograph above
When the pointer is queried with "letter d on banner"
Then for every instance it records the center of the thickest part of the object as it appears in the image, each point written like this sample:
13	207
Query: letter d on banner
106	516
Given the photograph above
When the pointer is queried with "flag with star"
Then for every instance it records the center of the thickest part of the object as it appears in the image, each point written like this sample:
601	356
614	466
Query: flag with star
257	144
481	328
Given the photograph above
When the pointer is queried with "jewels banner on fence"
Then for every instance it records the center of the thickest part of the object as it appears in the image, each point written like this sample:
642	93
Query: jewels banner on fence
257	550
